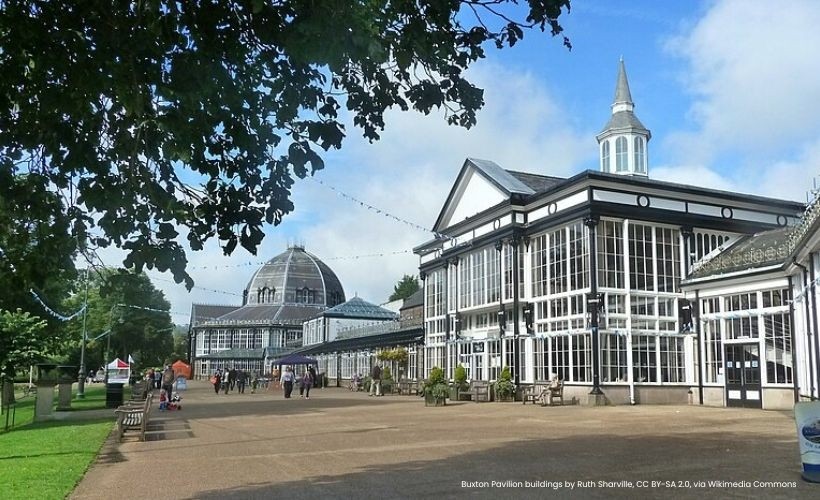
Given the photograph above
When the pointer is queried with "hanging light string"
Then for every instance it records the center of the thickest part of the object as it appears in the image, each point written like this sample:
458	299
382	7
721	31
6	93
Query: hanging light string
346	257
152	277
54	313
380	211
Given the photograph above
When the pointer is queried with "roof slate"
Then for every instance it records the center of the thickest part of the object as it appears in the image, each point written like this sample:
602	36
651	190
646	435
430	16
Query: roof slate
750	252
538	183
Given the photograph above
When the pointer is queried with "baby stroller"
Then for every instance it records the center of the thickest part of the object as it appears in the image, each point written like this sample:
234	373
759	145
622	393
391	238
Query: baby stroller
355	384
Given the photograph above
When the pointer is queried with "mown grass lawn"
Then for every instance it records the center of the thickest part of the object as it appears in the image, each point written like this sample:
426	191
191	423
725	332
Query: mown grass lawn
45	460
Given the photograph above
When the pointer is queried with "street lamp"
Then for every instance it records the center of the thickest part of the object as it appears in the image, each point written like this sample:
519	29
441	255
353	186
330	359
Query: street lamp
81	376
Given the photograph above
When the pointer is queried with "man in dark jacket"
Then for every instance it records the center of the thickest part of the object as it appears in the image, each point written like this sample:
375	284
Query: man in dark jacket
376	381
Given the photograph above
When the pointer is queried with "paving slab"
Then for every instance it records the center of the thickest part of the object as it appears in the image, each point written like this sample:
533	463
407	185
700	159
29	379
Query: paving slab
342	444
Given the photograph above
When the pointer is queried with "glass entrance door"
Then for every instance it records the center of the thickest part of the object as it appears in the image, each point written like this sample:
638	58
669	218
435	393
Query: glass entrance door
743	375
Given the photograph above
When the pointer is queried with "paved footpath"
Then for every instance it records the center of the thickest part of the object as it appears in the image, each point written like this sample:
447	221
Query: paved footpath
347	445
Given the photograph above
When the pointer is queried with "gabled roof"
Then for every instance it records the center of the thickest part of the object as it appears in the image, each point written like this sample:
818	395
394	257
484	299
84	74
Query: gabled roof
505	182
538	183
360	309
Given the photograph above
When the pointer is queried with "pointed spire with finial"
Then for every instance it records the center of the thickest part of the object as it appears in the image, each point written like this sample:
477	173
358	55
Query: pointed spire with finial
622	94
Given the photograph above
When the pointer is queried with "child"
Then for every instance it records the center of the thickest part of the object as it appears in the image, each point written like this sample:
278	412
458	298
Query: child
163	400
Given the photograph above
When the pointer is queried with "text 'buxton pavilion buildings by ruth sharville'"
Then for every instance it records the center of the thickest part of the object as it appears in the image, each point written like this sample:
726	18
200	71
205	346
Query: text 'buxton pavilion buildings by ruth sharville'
629	289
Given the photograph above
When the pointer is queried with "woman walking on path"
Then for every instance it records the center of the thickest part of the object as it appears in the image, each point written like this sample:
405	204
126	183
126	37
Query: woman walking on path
307	382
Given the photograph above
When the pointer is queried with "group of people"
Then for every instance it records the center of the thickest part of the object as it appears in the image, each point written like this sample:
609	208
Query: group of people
164	381
306	381
231	378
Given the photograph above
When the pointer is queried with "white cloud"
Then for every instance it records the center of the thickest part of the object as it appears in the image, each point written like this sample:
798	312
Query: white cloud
755	77
408	173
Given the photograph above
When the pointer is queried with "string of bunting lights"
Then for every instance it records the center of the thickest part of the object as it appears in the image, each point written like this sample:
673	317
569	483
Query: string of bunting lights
260	263
380	211
54	313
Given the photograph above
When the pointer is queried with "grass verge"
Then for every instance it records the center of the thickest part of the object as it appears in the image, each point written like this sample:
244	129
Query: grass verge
45	460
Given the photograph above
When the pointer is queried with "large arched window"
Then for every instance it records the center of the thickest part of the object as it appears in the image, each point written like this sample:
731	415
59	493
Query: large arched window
640	156
605	156
621	155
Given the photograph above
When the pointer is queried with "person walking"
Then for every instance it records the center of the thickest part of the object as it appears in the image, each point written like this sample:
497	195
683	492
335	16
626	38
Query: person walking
232	377
168	380
287	382
217	380
307	383
157	379
316	380
376	381
241	380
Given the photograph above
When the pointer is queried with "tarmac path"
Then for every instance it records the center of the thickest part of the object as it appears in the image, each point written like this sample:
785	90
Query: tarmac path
346	445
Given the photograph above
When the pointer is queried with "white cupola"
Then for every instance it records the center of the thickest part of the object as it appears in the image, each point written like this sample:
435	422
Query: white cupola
623	141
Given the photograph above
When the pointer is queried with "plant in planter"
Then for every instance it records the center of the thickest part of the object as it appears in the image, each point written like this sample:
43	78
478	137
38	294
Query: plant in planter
460	384
387	380
435	388
504	387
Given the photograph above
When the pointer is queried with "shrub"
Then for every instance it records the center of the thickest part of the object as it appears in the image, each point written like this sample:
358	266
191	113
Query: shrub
460	377
504	387
436	385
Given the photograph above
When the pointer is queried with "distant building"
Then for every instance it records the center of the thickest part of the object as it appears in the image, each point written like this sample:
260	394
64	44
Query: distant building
289	289
354	313
629	289
356	349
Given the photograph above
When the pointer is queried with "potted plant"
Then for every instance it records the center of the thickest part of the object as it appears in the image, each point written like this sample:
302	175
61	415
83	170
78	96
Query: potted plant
387	381
504	387
460	384
435	388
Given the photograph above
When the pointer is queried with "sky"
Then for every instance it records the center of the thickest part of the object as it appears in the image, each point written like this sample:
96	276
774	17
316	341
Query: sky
730	90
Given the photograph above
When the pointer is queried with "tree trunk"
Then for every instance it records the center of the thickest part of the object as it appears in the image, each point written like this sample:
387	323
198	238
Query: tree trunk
6	393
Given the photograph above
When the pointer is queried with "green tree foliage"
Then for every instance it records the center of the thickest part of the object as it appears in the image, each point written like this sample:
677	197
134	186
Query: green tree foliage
157	119
134	311
23	340
406	287
36	250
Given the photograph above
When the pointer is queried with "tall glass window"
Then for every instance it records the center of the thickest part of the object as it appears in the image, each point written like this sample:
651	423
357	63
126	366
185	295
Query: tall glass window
641	269
578	267
558	261
778	349
668	257
621	155
465	283
640	156
613	361
539	265
672	368
605	156
644	361
493	275
610	254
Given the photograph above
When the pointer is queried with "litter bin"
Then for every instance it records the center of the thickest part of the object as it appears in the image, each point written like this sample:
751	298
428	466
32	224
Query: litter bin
113	395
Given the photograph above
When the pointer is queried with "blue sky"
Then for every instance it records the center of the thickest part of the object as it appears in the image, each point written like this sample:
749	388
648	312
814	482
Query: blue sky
730	90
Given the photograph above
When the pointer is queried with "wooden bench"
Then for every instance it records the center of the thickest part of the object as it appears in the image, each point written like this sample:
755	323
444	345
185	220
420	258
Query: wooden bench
554	392
408	387
133	418
535	393
480	390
